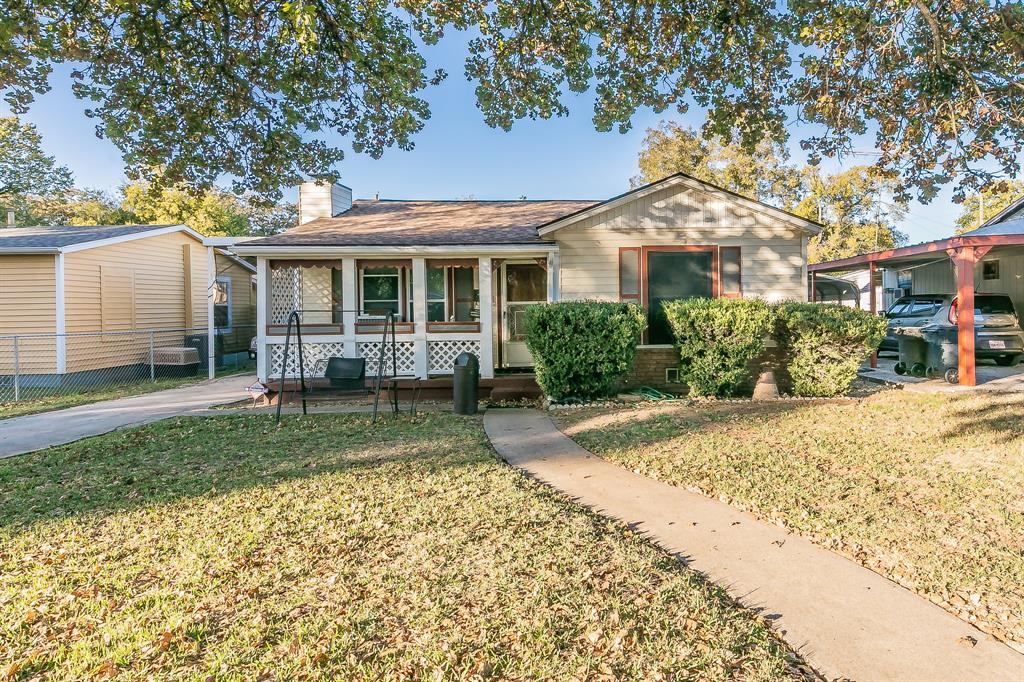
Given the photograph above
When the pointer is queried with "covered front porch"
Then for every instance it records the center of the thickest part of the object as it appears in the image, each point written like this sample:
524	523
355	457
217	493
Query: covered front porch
445	301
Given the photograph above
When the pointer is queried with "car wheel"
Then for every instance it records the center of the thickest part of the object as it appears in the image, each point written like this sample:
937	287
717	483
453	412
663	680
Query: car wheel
917	369
952	375
900	368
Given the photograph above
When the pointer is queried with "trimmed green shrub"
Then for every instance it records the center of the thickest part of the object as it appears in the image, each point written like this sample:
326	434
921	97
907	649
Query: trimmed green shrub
581	349
825	345
717	339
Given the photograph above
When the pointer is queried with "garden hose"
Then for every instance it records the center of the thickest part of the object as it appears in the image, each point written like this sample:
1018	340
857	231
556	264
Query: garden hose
649	393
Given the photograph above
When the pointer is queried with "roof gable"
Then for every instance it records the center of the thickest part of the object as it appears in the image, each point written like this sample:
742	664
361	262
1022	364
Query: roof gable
1013	211
682	181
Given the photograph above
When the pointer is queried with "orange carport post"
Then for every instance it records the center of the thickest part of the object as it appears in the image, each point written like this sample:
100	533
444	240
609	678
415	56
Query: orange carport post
964	260
872	302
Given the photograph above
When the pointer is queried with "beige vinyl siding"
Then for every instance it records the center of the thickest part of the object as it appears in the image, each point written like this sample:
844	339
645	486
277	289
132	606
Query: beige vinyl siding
937	278
135	285
28	305
772	251
198	260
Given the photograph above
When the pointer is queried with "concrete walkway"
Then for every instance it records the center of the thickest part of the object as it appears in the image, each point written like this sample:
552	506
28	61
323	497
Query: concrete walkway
19	435
844	619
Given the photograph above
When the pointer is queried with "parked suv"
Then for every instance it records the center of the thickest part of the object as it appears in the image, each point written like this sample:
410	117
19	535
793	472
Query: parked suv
998	335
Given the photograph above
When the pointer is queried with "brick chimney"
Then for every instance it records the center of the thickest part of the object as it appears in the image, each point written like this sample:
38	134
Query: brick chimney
322	200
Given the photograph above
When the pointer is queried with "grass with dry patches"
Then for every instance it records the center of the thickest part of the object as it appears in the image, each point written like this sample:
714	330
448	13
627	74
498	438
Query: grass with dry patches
221	548
926	489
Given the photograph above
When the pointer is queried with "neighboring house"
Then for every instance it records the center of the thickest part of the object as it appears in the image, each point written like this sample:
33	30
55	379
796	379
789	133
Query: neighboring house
988	260
459	274
82	299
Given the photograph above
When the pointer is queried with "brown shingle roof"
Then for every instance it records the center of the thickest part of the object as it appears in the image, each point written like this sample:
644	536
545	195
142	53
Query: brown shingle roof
57	236
419	223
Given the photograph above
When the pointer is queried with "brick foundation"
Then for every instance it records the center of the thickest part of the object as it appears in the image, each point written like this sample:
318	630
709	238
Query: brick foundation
650	365
649	370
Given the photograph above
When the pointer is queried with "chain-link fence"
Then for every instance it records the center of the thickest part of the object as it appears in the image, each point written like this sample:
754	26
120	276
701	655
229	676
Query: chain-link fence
36	366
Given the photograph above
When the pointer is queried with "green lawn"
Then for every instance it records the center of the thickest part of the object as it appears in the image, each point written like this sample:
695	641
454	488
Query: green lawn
220	548
928	490
61	400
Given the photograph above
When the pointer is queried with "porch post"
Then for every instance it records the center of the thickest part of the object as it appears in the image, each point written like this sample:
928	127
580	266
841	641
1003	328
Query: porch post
349	284
872	299
211	332
262	303
814	287
419	315
486	319
554	277
964	259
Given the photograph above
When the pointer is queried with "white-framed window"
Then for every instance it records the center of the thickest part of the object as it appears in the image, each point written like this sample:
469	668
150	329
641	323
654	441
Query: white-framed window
223	317
380	291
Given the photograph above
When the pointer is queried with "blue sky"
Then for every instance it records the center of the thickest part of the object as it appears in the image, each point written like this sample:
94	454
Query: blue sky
457	155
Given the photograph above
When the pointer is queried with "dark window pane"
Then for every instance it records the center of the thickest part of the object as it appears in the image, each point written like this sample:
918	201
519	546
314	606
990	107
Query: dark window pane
466	295
629	272
436	311
526	282
336	298
380	288
990	269
221	318
435	284
730	264
673	275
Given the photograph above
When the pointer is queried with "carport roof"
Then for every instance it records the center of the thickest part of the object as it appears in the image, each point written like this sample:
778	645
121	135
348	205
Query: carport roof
917	253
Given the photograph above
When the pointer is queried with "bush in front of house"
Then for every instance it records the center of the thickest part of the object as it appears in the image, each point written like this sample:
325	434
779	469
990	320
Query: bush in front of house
717	339
825	345
582	349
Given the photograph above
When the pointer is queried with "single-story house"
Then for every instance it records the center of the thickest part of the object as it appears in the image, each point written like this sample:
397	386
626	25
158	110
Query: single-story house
77	303
989	259
458	275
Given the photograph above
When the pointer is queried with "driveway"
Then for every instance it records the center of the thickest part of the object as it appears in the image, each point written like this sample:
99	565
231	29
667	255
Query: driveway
19	435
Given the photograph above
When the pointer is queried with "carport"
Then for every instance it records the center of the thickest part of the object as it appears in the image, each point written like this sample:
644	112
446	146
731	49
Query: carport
955	263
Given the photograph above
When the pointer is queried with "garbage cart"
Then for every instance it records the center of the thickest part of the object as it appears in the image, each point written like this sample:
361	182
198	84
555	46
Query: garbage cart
913	351
942	356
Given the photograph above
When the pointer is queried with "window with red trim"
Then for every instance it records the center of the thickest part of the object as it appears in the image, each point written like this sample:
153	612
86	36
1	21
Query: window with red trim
629	274
731	271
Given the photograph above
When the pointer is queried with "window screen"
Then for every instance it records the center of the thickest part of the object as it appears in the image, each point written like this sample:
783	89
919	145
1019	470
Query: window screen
337	303
436	304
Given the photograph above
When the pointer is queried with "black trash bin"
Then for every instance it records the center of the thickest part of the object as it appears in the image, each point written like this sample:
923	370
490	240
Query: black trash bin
466	383
943	352
913	351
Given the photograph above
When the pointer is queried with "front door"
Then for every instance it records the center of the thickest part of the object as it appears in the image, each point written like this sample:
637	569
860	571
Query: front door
672	275
522	285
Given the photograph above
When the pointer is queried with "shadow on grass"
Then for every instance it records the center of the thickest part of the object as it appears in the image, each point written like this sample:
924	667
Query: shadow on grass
998	416
204	456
